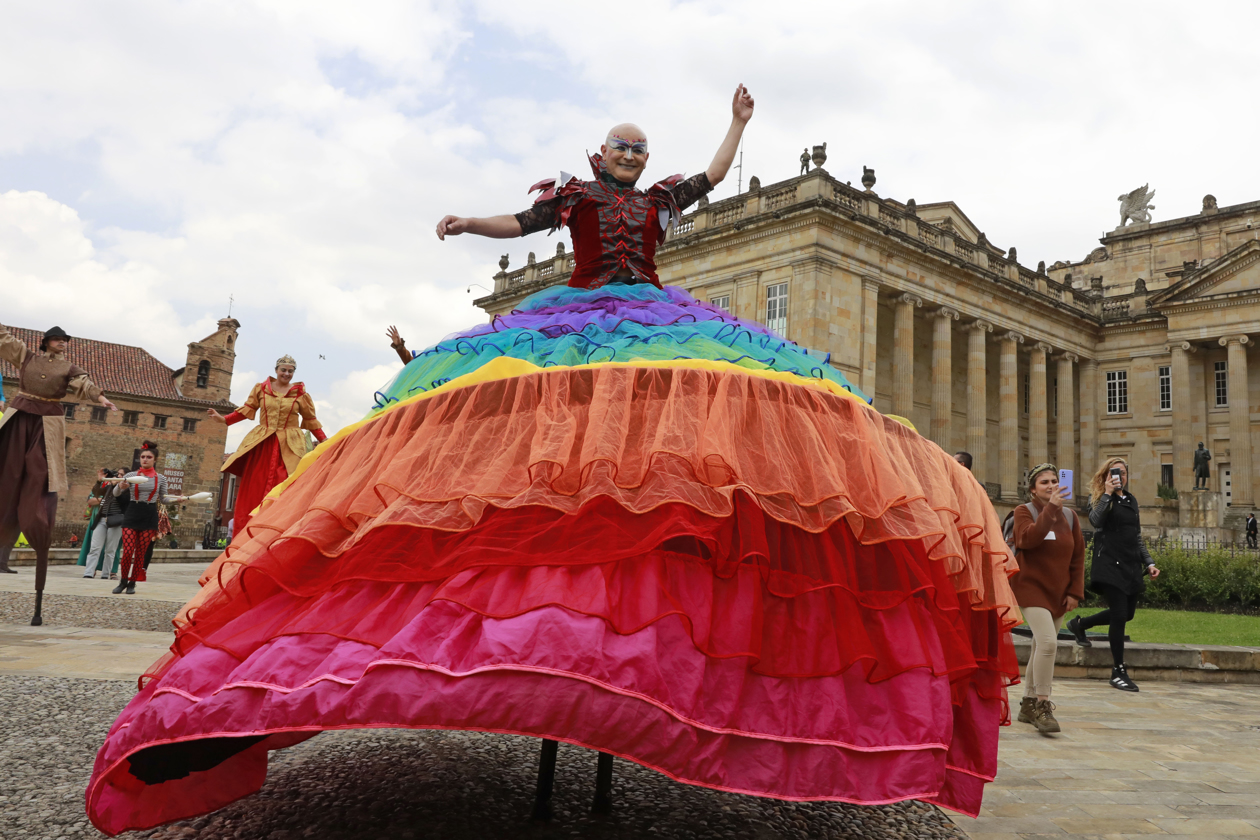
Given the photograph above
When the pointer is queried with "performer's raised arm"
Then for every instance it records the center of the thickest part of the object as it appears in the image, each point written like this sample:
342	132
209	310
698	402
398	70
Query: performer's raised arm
741	113
495	227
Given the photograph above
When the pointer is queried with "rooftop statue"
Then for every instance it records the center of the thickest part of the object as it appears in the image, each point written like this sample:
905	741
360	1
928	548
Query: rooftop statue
1134	206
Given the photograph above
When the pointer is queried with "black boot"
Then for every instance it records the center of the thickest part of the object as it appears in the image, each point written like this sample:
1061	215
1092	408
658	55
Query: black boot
1078	632
131	587
122	584
1120	679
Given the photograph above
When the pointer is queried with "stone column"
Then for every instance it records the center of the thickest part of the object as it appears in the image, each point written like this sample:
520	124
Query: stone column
1182	431
1089	418
903	355
1038	429
1008	392
1239	421
978	399
942	375
870	334
1065	457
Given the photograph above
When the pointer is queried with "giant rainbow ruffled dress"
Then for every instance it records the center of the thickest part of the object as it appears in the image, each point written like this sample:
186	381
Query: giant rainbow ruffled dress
619	518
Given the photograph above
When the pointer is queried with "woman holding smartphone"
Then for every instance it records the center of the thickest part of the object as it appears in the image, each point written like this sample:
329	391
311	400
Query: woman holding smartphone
1121	560
1051	582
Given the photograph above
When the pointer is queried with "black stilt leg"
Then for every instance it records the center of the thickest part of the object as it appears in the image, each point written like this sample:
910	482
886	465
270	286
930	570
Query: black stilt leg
603	785
41	577
546	781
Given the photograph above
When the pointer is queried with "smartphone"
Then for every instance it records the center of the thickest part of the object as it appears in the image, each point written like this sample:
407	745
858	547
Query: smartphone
1115	472
1065	483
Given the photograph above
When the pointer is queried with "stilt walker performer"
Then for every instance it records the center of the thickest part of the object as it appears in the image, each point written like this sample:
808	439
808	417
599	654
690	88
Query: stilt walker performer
272	449
618	517
31	472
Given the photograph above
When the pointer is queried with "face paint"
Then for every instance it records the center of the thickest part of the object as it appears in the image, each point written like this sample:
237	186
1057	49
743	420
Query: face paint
621	145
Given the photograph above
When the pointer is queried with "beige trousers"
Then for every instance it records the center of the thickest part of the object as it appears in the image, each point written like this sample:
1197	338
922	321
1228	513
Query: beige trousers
1039	675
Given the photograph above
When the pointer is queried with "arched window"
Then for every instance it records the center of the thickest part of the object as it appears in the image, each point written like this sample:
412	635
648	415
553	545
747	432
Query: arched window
203	374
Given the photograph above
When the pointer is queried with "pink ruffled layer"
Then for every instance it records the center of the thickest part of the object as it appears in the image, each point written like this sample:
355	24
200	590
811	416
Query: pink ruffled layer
650	696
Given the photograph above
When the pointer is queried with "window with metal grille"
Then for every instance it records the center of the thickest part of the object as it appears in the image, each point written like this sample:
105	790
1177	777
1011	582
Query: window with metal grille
722	302
1056	396
1166	475
68	408
1027	388
1117	392
1221	370
131	418
190	425
203	374
159	421
99	413
1165	389
776	307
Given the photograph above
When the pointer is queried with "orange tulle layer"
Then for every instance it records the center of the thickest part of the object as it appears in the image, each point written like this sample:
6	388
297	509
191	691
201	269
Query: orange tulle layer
641	437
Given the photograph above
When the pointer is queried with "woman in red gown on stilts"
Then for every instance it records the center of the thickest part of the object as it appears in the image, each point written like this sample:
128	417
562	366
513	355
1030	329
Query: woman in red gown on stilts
272	449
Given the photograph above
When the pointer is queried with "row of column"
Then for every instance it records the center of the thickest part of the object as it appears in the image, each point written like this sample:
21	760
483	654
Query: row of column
1008	393
1239	417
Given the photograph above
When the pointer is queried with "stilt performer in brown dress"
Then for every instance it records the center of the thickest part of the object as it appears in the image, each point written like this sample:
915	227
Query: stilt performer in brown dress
32	472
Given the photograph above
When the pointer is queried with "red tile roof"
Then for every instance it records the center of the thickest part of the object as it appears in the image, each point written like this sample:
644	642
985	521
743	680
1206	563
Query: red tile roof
116	368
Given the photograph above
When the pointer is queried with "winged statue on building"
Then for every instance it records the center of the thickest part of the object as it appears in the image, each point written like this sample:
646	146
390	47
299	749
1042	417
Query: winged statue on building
1135	206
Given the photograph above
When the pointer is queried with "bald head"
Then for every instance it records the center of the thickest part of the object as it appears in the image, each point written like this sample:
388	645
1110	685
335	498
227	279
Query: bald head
627	131
625	152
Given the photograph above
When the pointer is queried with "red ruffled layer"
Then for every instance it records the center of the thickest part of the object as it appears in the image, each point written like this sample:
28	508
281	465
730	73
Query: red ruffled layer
790	602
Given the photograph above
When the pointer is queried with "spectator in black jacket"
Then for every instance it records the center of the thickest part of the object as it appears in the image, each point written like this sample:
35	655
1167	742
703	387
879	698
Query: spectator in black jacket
1121	562
1251	530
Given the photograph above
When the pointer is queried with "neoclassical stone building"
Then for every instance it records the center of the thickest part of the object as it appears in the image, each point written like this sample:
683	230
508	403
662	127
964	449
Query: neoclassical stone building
1138	351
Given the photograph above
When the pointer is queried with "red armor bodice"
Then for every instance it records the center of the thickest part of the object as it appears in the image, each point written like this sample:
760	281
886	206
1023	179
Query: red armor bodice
615	229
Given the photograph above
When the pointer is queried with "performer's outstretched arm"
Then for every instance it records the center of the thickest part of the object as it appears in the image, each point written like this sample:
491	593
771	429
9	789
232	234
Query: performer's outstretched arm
495	227
741	113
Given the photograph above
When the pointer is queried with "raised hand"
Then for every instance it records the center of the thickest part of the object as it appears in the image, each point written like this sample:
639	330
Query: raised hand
216	415
742	104
394	337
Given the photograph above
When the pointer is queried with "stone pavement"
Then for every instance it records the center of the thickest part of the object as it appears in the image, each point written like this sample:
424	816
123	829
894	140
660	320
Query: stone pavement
167	582
1176	759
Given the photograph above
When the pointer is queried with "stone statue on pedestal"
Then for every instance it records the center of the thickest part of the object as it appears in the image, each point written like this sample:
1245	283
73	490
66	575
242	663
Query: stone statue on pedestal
805	161
1201	458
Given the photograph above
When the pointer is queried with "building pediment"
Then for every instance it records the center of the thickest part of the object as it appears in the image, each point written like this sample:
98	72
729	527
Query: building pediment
1237	274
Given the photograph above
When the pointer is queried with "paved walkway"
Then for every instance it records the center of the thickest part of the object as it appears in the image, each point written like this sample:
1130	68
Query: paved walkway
1175	759
167	582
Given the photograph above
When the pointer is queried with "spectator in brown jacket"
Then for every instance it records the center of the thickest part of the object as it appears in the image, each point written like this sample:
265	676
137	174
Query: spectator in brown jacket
1051	582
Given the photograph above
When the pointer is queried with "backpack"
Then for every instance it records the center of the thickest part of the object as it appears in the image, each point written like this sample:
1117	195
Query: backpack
1008	524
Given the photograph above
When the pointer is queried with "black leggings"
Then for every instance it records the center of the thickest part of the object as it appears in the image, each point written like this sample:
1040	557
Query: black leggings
1120	609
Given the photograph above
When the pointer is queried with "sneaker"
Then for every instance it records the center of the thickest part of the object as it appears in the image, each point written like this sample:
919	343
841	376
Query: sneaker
1043	717
1026	705
1078	632
1120	679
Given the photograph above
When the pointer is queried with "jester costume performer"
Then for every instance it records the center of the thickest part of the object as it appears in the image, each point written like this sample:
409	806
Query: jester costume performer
617	517
273	448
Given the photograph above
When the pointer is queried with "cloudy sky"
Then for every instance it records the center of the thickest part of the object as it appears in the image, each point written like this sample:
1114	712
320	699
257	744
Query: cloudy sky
159	157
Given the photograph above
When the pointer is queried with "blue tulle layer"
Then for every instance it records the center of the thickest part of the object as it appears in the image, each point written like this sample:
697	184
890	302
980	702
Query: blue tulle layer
616	323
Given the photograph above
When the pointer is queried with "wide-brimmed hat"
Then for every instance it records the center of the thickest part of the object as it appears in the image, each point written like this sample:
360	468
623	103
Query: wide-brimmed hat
55	332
